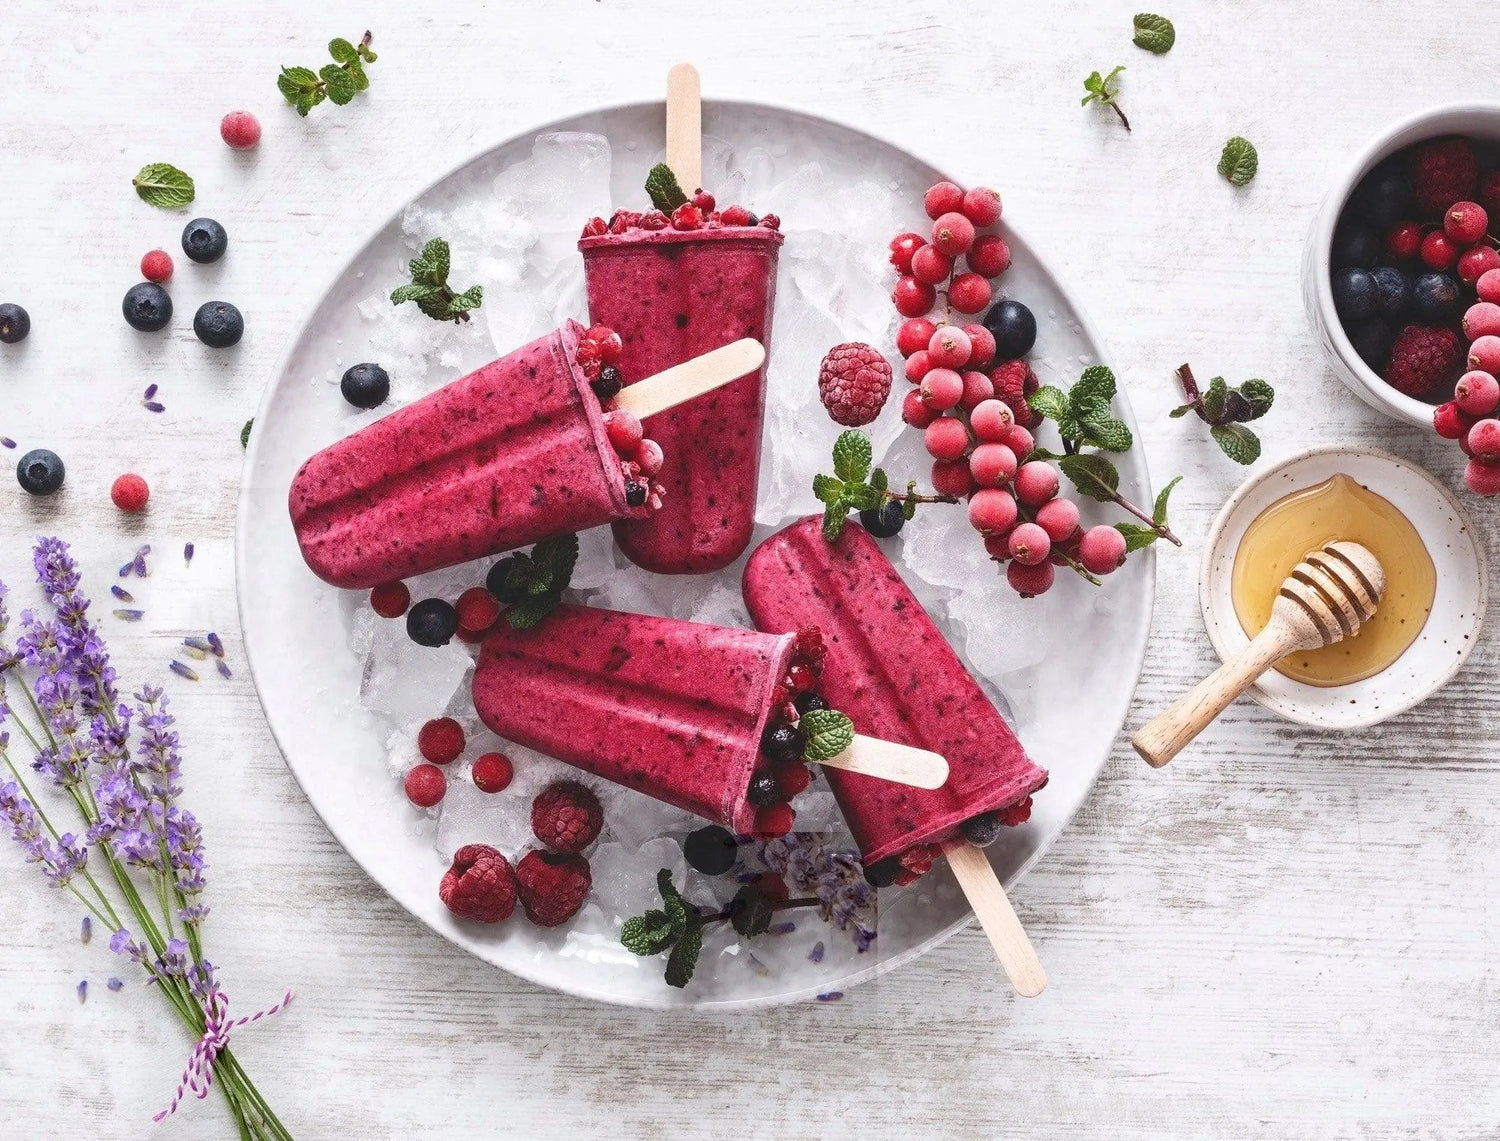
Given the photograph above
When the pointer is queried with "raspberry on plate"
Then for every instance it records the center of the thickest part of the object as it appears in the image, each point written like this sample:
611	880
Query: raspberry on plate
567	816
552	886
480	885
853	383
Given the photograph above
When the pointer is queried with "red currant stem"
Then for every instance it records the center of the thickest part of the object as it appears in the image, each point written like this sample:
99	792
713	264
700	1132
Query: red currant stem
1079	567
915	497
1190	388
1119	500
1120	113
366	39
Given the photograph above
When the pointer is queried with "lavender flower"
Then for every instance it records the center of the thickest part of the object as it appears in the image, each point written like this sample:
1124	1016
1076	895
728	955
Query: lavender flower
85	930
77	638
121	943
116	984
157	750
845	897
173	962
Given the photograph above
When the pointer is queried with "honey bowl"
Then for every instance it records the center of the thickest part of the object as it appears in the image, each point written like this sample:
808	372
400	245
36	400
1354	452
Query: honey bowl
1426	625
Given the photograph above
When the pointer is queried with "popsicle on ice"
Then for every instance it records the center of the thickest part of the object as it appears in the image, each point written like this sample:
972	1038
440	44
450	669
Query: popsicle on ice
517	451
890	670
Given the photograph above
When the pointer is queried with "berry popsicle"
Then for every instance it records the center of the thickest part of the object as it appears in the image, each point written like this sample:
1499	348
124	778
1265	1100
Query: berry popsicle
517	451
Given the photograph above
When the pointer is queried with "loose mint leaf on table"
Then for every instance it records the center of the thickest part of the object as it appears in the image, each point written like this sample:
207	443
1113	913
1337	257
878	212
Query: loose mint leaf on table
343	51
162	184
1225	408
1103	89
1238	442
1259	394
1154	33
661	185
827	732
1239	162
338	82
245	432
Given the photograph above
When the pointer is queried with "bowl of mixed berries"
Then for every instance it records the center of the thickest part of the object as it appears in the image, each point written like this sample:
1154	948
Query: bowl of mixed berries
1402	269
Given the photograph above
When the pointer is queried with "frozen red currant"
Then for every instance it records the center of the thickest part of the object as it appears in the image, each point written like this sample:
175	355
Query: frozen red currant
1036	482
903	246
930	266
915	412
1030	581
913	298
969	293
390	599
989	255
992	510
951	477
991	419
977	389
914	334
918	365
949	347
1059	518
982	206
942	389
953	234
1102	550
992	465
982	346
942	198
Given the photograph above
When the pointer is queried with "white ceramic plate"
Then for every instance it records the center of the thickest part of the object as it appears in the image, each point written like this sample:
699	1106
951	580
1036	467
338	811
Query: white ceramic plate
1457	608
297	630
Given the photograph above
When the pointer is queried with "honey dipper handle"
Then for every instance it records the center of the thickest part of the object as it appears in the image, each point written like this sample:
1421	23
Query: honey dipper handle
1169	732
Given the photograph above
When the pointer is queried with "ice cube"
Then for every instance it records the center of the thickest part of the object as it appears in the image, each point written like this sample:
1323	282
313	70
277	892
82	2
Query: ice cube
633	818
722	605
404	681
502	819
625	878
597	563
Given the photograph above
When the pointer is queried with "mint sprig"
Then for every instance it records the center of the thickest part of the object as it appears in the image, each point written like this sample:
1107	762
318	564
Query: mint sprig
162	184
538	580
1154	33
1137	536
1104	90
857	486
661	185
429	286
245	432
826	733
338	82
1239	161
1226	408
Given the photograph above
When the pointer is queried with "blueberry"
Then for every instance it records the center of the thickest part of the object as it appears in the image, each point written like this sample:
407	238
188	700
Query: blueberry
431	622
1393	291
635	492
1435	298
982	830
495	583
40	471
147	307
15	323
710	850
365	385
218	324
204	240
764	791
608	383
1014	329
1354	244
809	702
884	521
1383	196
1354	293
782	743
883	873
1372	340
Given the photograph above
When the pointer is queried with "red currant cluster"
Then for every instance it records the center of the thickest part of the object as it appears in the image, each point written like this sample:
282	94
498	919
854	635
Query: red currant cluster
598	359
700	212
783	773
1470	417
924	266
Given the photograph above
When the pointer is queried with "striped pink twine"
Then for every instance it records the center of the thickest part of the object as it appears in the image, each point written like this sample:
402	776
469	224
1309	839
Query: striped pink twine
198	1076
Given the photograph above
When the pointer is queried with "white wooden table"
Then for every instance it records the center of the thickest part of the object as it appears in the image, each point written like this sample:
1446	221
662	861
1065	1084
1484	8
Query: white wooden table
1281	935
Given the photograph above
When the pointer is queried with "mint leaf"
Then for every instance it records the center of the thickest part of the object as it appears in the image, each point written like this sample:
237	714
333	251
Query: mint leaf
1110	434
342	51
827	488
429	286
338	84
1092	474
833	521
1137	536
879	480
661	185
1260	395
357	74
1239	162
162	184
648	934
1096	384
1049	401
294	82
852	455
666	887
1181	410
245	432
750	912
677	913
558	555
471	298
1214	399
1154	33
433	263
1238	442
528	612
684	957
862	497
414	292
1159	512
827	733
909	504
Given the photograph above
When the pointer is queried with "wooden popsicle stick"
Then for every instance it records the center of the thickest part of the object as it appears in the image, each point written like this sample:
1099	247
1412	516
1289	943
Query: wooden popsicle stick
887	760
685	127
692	378
1018	958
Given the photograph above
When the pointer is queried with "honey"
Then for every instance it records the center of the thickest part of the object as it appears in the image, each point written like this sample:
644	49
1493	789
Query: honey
1338	508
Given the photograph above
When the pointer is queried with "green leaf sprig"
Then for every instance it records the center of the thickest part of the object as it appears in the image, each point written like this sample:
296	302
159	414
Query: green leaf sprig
1154	33
662	186
826	733
856	485
245	432
1226	408
1104	89
162	184
430	290
536	581
338	82
1239	162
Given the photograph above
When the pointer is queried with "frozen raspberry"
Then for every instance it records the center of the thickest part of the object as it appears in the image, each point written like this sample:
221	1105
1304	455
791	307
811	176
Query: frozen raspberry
969	293
802	678
949	347
1475	263
240	129
903	248
609	342
853	383
930	266
441	740
622	220
1423	358
552	886
1059	518
130	493
1443	171
649	457
992	465
1403	240
737	216
953	234
1101	550
1482	478
771	221
1482	319
567	816
942	198
1036	482
1488	285
810	643
1029	544
991	419
654	220
1449	422
913	298
157	266
992	510
914	334
687	217
915	412
918	365
493	772
793	780
624	431
477	609
915	863
1016	814
977	389
1014	383
951	477
425	785
989	255
594	227
982	206
390	599
1484	354
981	346
1030	581
1438	250
942	389
1466	222
479	885
1484	440
704	201
777	820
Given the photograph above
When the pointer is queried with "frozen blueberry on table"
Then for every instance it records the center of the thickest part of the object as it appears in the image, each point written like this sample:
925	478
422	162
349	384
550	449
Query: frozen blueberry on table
15	323
1355	295
365	385
1435	298
1355	245
431	622
147	307
218	324
1393	291
40	472
204	240
1013	327
710	850
883	522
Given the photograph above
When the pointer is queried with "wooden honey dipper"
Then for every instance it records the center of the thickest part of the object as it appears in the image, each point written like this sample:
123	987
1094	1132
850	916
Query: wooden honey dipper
1327	597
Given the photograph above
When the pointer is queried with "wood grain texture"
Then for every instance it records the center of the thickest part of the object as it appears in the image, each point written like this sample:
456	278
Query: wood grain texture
1285	935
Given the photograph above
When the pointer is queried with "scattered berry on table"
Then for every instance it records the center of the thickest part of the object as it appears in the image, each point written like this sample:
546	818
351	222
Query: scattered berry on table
882	522
982	206
903	246
989	255
441	740
480	885
1482	319
204	240
425	785
431	622
40	472
982	830
218	324
477	609
1423	358
15	323
390	599
853	383
1466	222
942	198
365	385
953	234
1435	298
240	129
157	266
1101	550
1030	581
130	493
147	307
567	816
493	772
1355	294
1013	327
913	298
552	886
1477	393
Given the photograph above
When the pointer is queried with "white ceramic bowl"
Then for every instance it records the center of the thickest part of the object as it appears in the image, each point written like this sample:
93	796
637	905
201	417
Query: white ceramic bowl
1477	120
1458	555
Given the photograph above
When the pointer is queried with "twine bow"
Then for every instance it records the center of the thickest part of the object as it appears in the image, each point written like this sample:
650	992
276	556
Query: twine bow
198	1075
